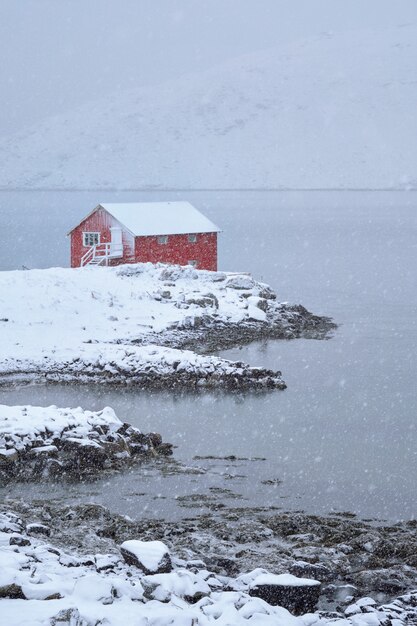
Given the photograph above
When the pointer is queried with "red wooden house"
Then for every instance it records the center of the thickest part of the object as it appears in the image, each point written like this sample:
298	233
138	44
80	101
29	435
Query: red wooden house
165	232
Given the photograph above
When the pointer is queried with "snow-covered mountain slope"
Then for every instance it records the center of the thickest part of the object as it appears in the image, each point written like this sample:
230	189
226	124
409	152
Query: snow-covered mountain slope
334	111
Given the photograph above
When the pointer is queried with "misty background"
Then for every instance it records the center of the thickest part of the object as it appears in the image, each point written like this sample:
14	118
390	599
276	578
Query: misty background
58	55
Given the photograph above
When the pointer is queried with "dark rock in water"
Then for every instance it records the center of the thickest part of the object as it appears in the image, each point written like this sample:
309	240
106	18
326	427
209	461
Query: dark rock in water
165	449
152	557
298	595
155	439
71	456
12	591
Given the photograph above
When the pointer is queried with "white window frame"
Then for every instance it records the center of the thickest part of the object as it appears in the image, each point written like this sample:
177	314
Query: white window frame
88	235
193	263
192	238
162	239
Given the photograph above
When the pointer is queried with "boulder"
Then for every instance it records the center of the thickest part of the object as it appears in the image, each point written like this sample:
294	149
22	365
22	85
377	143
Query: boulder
18	540
12	591
93	587
240	281
53	467
267	293
152	557
49	451
165	449
182	584
8	456
316	571
85	452
262	304
203	301
38	529
297	595
155	439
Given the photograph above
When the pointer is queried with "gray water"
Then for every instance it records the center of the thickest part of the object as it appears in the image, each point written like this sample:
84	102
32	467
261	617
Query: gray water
343	435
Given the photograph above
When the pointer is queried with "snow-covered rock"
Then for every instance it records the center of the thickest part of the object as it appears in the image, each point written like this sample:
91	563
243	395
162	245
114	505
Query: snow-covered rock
152	557
151	367
298	595
183	584
52	441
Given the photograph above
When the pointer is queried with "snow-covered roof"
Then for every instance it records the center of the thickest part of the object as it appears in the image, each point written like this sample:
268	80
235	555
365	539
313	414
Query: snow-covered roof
160	218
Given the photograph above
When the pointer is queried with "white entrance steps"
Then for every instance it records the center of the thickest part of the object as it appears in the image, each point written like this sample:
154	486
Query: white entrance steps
101	253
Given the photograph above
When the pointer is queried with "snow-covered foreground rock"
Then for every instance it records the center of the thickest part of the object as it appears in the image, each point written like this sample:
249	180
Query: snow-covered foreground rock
131	324
50	442
42	584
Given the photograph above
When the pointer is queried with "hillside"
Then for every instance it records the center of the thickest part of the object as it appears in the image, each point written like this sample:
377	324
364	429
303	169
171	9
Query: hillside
337	111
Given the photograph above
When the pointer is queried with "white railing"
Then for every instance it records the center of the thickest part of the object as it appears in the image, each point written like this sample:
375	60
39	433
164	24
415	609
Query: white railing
101	253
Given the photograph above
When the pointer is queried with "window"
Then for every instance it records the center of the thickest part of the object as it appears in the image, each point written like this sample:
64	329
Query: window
163	239
91	239
192	238
192	263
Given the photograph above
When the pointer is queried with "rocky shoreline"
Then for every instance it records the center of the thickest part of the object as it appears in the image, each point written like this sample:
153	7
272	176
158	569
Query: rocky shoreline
48	443
349	556
283	322
335	569
152	326
149	367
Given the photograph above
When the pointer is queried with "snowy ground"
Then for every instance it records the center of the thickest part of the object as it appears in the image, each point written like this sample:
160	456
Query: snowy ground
42	584
97	323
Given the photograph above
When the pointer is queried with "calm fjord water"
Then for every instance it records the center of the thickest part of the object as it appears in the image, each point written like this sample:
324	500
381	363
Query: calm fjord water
343	436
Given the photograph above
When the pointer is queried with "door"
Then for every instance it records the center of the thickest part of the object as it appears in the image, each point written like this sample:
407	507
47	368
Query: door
116	243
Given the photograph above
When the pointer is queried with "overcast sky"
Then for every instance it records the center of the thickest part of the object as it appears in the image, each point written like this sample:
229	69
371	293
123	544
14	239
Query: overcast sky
56	54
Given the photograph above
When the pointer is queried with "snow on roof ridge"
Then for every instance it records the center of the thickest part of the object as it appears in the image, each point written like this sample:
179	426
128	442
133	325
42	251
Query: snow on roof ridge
160	218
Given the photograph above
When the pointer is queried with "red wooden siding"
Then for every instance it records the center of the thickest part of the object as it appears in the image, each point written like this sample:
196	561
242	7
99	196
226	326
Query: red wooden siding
178	250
